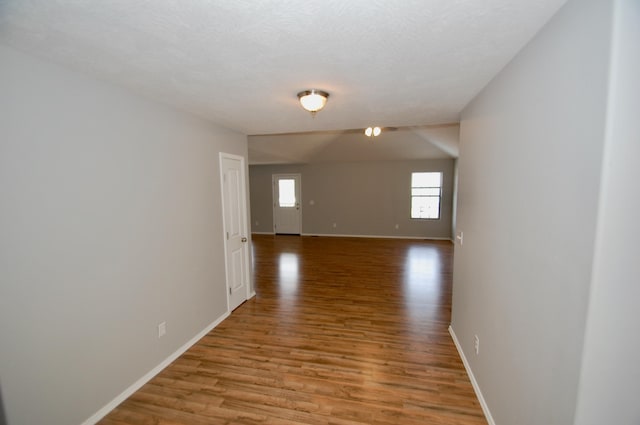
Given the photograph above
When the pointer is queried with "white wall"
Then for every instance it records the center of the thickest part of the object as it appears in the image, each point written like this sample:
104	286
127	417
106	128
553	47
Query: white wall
610	380
529	178
110	223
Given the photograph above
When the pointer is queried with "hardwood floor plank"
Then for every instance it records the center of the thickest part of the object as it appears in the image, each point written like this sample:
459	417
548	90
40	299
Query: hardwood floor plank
342	331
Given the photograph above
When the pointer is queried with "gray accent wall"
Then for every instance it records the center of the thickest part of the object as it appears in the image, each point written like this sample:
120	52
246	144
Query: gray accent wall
110	224
366	198
549	249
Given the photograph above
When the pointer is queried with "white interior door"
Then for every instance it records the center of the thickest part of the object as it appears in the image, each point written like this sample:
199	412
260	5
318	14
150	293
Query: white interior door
287	215
235	227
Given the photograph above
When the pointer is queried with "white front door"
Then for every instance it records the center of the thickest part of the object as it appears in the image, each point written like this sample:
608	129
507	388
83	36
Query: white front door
232	171
287	217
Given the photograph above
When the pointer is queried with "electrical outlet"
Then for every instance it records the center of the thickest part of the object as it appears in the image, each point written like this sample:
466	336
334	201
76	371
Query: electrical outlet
397	226
162	329
476	344
335	225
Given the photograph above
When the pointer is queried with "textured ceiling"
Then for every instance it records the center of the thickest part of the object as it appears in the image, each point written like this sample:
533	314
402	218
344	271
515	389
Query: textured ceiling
240	63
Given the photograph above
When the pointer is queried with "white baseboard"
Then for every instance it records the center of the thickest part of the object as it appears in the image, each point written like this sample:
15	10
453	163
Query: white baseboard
153	372
334	235
476	387
251	295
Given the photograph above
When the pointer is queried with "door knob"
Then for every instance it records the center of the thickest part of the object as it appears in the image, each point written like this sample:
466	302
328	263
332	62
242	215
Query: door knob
243	239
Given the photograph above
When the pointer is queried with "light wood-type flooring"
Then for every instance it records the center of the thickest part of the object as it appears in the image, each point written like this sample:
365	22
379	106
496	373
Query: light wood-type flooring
342	331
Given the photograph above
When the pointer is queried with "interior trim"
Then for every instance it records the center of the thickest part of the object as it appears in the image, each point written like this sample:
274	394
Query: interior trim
153	372
474	383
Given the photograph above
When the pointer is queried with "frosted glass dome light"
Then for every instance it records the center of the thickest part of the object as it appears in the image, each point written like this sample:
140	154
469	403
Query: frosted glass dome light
313	100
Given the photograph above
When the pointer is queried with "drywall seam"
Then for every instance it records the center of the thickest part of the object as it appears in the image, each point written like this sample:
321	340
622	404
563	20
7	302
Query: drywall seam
474	383
153	372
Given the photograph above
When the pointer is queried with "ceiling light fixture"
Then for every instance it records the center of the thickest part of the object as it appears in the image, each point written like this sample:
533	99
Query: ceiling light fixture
313	100
372	131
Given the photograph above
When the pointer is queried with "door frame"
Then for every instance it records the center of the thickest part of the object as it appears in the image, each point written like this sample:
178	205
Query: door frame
274	179
249	292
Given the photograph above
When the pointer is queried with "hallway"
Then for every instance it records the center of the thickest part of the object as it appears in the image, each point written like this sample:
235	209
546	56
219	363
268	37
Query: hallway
342	331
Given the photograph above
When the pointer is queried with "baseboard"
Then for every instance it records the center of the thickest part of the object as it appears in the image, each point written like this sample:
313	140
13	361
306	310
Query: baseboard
153	372
334	235
476	387
251	295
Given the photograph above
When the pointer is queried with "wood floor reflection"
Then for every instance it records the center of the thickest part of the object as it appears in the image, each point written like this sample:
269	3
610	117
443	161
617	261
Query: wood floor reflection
342	331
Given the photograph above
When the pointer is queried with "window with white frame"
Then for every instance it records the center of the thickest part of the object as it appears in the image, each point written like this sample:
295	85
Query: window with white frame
426	195
286	193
